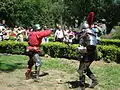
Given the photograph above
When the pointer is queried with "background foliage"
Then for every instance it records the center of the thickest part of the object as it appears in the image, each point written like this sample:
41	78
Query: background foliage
106	51
50	12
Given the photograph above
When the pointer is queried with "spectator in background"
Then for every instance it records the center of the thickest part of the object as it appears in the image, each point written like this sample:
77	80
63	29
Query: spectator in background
27	32
1	34
2	28
4	23
20	33
14	32
103	26
59	34
71	35
45	39
7	33
97	30
66	36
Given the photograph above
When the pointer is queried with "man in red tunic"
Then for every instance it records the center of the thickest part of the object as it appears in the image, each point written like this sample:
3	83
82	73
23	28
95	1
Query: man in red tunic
33	50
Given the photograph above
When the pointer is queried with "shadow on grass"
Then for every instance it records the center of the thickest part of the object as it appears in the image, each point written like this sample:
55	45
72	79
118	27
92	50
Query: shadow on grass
4	67
76	84
43	74
33	74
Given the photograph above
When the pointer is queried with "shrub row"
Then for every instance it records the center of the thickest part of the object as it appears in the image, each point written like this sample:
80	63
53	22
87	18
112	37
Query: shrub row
115	42
57	49
62	50
106	52
102	41
13	47
109	52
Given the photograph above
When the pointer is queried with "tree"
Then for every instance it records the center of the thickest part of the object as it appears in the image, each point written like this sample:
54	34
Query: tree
18	12
50	12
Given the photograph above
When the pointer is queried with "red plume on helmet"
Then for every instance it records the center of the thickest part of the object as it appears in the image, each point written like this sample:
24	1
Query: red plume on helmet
90	18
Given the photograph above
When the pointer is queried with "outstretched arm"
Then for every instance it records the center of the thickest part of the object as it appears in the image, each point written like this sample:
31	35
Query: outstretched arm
45	33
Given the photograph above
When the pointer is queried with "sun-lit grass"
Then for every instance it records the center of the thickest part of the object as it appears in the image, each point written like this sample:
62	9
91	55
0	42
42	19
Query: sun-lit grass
107	74
11	62
19	61
58	64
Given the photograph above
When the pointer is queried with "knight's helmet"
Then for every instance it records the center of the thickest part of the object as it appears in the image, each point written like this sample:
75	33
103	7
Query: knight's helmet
36	27
88	37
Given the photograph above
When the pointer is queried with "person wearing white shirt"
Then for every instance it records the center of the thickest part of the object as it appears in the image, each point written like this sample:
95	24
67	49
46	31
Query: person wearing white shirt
59	34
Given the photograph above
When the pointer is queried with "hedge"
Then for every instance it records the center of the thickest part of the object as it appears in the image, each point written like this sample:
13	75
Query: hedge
109	52
62	50
13	47
57	49
115	42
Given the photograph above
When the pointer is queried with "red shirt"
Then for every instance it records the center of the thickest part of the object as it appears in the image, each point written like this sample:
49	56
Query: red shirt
35	39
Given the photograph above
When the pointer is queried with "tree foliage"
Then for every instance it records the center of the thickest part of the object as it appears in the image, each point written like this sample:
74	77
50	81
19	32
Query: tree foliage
50	12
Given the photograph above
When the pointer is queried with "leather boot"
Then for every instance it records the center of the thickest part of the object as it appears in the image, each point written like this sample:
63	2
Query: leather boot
94	81
82	81
28	75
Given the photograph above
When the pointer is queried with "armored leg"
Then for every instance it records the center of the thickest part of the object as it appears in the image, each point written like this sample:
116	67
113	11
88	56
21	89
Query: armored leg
92	77
84	65
38	64
91	58
81	73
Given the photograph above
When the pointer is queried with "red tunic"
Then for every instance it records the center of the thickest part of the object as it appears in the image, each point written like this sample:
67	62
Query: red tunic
35	39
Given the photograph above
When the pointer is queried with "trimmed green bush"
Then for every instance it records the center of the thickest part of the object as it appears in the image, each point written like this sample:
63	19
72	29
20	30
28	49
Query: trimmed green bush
57	49
13	47
115	42
109	52
116	34
51	38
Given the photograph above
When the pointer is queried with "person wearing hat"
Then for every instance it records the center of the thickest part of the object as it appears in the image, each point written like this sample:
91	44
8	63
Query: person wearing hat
33	50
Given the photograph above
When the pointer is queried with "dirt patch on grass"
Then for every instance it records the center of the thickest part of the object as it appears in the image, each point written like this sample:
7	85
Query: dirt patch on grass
54	80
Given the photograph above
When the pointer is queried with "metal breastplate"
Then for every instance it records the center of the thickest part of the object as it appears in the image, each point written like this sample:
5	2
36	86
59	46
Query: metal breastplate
88	38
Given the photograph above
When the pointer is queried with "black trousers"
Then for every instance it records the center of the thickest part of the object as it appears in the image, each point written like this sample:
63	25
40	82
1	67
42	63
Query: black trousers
84	66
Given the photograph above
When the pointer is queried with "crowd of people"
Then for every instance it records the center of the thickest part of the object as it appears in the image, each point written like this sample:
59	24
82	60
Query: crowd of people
64	34
61	33
21	34
70	35
17	33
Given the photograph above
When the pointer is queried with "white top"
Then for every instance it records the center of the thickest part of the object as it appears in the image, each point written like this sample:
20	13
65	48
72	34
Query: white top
59	34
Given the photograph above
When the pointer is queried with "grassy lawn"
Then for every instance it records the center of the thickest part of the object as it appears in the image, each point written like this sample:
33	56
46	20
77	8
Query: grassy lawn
108	74
10	63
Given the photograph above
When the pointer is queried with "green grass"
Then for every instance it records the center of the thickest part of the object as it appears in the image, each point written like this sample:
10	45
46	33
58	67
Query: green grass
9	63
12	62
108	75
58	64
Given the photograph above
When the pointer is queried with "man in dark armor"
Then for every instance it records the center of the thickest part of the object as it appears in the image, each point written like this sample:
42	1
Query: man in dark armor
87	51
